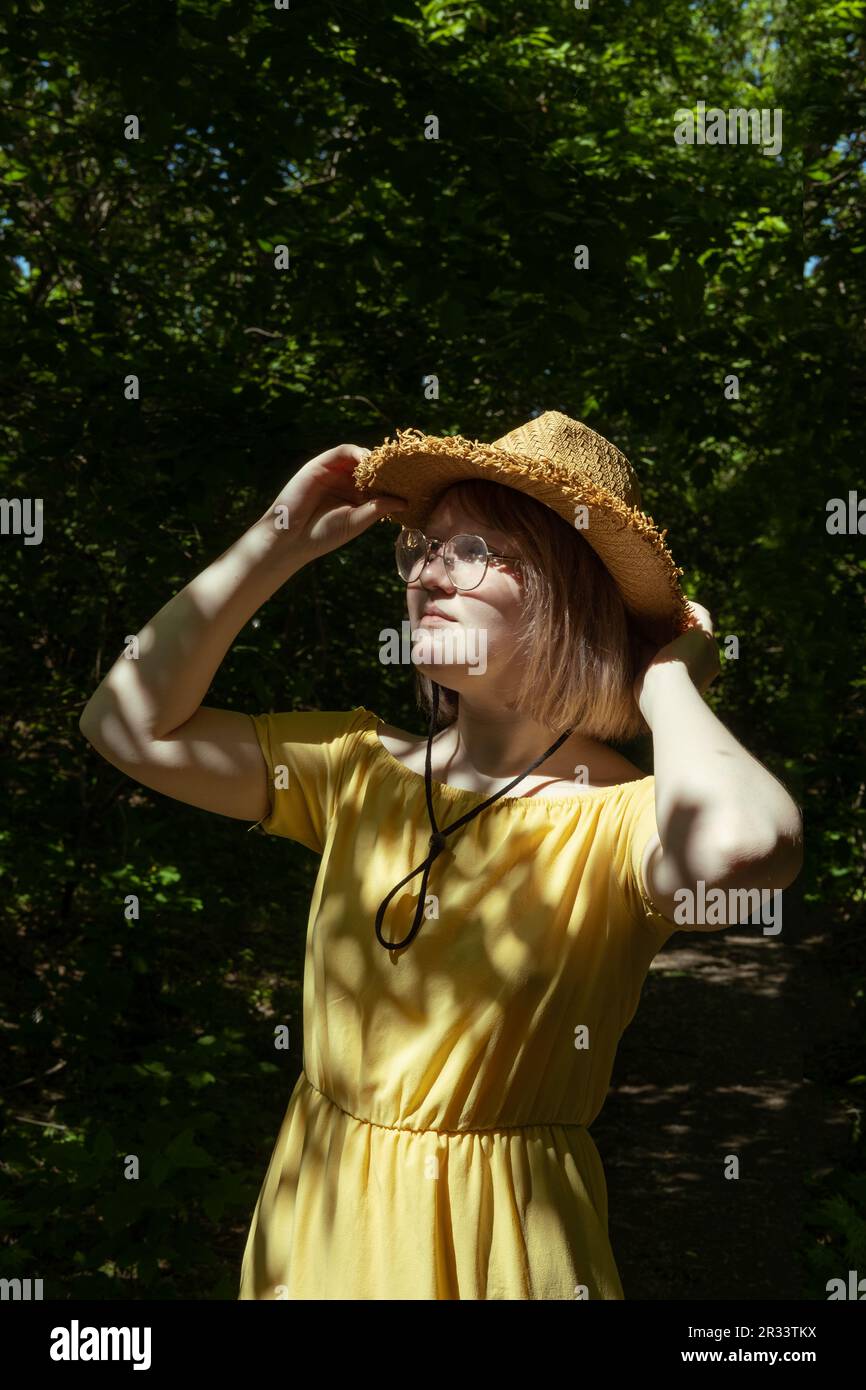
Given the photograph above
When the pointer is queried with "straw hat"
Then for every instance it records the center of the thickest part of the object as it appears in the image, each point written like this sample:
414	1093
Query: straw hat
563	464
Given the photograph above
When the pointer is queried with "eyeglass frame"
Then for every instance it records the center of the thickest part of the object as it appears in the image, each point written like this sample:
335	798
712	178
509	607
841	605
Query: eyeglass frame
437	540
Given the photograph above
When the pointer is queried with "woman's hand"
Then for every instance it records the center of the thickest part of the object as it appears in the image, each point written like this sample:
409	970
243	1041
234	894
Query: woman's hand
321	509
695	649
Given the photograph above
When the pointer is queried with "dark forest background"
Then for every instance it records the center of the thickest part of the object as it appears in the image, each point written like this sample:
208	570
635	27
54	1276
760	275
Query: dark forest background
408	256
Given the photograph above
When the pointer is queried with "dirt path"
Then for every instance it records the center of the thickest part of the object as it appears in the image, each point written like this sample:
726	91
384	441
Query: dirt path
720	1060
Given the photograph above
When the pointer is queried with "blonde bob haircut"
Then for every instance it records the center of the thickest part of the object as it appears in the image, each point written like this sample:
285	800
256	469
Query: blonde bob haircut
581	652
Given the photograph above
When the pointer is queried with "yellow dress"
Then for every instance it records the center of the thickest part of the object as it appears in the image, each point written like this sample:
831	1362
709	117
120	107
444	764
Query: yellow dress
436	1144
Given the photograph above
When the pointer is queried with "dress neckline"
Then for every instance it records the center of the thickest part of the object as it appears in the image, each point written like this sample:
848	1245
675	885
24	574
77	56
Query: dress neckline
451	792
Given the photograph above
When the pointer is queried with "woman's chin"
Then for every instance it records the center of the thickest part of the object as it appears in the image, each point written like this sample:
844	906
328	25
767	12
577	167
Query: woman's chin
452	677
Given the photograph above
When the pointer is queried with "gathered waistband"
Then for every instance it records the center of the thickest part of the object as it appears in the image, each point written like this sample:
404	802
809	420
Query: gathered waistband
436	1129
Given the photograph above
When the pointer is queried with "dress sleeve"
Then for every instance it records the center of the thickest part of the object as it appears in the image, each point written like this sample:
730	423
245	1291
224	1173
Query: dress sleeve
636	828
308	754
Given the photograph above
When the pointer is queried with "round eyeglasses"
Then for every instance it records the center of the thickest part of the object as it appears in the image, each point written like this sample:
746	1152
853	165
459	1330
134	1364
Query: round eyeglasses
465	557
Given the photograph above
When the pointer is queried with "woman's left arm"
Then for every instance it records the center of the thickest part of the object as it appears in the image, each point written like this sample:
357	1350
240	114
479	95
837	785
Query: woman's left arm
722	818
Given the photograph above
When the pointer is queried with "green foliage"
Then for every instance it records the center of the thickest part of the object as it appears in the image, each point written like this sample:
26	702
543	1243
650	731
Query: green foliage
838	1222
408	256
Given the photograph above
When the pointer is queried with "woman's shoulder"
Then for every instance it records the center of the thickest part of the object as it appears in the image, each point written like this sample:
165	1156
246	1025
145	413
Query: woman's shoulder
615	769
397	741
314	728
348	718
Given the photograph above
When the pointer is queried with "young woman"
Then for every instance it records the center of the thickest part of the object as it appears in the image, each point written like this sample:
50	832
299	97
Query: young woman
490	898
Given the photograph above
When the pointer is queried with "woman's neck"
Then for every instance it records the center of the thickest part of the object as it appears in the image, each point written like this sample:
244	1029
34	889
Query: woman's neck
495	742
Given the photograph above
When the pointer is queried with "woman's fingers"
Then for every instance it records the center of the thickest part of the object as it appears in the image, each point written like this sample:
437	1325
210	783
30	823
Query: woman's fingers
362	516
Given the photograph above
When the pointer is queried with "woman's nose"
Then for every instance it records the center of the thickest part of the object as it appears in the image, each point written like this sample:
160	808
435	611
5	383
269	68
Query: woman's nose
434	567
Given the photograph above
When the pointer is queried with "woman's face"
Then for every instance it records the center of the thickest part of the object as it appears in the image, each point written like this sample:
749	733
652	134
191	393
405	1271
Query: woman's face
474	650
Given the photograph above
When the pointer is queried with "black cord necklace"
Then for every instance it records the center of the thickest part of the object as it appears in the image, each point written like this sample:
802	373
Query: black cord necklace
437	839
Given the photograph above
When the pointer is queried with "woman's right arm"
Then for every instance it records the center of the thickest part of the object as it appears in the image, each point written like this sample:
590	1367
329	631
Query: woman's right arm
146	717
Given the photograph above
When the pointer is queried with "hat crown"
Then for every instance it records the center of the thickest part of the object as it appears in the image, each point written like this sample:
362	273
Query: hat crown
576	448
